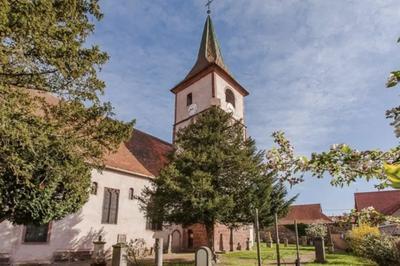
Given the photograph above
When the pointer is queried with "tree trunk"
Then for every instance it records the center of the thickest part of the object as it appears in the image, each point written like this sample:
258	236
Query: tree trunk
210	239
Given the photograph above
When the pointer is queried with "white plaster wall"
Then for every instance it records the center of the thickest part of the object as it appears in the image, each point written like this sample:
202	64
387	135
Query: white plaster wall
78	231
201	92
220	86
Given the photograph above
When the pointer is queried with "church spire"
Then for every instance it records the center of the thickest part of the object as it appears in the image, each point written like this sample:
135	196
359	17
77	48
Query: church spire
209	52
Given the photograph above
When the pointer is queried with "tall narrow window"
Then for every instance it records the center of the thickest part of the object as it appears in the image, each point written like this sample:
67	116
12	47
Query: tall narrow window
93	188
189	99
110	206
131	194
230	97
36	233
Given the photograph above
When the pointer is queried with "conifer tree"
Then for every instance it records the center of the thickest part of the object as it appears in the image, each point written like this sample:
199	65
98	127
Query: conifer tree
216	175
48	148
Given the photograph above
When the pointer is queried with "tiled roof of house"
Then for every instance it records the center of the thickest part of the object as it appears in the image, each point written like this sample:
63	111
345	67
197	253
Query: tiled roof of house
305	214
386	202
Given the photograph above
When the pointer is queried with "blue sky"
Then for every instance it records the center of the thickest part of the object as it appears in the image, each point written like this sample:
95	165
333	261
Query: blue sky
314	69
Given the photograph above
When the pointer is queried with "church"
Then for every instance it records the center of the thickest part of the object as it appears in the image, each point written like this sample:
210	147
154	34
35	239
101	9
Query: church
112	210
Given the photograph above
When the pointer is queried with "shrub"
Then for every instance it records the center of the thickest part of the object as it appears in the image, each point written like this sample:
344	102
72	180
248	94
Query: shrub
380	248
356	235
136	249
316	230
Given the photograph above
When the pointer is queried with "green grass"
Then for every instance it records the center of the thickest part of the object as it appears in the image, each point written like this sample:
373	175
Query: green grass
288	255
344	259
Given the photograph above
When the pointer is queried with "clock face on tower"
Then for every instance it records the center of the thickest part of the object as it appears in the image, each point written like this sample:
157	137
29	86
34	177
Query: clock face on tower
192	109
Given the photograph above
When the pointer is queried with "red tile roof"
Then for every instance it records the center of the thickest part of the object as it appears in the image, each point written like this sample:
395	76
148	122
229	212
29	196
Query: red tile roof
142	154
150	151
386	202
305	214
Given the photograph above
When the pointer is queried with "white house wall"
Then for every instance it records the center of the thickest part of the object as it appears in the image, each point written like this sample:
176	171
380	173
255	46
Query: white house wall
78	231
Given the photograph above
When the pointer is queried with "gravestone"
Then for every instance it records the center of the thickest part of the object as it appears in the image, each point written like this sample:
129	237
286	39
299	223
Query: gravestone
203	257
304	241
319	250
286	242
98	255
119	255
159	251
121	238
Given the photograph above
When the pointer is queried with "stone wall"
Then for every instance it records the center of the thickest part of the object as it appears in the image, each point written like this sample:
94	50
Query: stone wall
222	236
284	232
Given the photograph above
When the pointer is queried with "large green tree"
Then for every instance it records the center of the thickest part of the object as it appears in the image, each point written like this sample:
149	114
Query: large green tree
216	175
50	141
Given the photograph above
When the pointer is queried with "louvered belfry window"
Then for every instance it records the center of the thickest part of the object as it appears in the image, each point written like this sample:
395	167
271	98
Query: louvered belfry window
110	206
230	97
189	99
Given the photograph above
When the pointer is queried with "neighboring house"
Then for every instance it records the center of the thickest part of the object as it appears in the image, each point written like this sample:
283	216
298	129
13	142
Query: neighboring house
304	215
385	202
112	209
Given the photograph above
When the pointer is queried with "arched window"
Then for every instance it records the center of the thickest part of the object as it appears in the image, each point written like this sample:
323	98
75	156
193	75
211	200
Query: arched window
131	194
230	97
93	188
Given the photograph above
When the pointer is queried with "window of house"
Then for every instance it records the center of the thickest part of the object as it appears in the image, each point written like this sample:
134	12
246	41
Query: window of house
110	206
131	194
36	233
230	97
93	188
189	99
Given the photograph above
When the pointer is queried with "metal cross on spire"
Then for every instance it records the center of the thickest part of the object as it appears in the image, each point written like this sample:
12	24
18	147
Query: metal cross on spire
208	5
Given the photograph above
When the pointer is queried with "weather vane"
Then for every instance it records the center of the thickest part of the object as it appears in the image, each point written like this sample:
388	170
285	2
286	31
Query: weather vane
208	5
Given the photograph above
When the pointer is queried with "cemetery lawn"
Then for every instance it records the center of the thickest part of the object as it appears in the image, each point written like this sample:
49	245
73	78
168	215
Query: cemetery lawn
288	255
268	255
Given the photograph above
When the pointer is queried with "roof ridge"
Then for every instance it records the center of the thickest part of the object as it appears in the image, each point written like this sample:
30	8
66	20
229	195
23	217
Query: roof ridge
381	191
319	204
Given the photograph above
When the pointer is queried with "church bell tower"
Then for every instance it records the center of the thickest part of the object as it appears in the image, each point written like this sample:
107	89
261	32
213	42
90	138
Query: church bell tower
209	83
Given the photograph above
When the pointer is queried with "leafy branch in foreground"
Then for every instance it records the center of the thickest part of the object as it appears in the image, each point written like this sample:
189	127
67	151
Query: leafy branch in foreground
341	162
